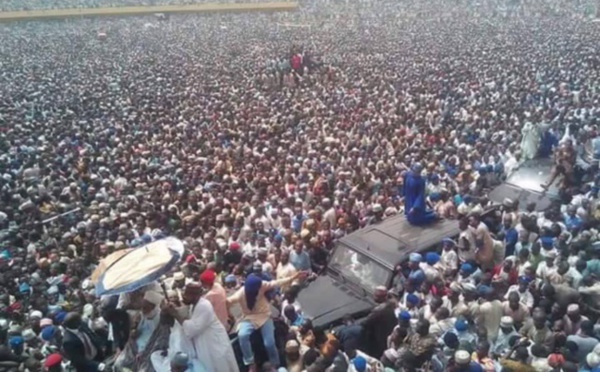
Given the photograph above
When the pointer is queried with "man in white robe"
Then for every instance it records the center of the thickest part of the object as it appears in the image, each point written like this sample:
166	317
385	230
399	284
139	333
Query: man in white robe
141	340
209	341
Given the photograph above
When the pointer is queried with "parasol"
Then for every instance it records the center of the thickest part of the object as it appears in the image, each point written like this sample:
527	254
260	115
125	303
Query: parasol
140	267
106	262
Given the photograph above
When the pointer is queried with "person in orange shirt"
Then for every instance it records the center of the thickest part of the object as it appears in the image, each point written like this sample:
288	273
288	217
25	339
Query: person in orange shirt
216	295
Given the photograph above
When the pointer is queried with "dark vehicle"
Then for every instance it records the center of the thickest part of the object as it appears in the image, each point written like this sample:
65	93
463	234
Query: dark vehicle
525	185
369	257
364	260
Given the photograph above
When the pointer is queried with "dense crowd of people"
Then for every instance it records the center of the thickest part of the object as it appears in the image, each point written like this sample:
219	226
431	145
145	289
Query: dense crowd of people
261	139
15	5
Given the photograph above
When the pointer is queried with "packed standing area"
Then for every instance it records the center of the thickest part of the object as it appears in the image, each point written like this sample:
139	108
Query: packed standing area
260	140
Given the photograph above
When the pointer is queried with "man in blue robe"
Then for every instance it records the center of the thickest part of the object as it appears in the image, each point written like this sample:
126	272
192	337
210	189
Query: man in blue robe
415	206
547	144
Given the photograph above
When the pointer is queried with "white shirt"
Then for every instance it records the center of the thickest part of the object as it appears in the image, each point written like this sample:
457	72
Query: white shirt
526	297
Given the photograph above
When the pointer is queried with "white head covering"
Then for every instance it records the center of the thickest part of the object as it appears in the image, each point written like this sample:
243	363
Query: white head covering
153	297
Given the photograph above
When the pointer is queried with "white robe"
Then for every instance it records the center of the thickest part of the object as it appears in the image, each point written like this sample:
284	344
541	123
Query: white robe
530	141
177	343
210	341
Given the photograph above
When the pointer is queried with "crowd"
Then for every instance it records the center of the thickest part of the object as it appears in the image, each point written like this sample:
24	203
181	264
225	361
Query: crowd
16	5
258	145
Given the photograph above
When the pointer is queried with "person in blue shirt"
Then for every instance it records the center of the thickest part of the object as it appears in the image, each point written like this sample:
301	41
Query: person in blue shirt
571	219
294	318
297	220
511	236
299	258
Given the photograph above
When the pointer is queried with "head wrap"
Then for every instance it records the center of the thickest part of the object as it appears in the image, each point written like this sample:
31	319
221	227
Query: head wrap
404	315
449	241
456	287
467	267
230	278
153	297
432	258
547	241
251	288
484	290
28	334
36	314
48	332
524	279
460	325
60	316
506	322
360	364
412	299
15	341
24	287
462	357
415	257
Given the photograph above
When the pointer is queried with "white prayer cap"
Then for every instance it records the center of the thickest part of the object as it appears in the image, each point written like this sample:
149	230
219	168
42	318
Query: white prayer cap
153	297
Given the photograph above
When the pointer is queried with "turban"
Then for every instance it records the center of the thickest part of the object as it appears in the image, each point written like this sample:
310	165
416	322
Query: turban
251	289
460	325
153	297
16	341
415	257
432	258
547	241
60	316
484	290
404	315
230	278
412	299
467	267
48	332
360	364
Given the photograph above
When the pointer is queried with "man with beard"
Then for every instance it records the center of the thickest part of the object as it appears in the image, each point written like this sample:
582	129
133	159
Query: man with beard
507	332
203	332
144	332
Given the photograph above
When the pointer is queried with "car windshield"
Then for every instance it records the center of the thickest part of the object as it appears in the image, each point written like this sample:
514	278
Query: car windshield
359	269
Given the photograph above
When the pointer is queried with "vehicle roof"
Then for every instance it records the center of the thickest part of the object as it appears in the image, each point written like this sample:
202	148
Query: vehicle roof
524	185
390	241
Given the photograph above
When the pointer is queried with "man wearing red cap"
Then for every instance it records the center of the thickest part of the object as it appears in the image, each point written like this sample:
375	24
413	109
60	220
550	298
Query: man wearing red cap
53	363
233	256
216	295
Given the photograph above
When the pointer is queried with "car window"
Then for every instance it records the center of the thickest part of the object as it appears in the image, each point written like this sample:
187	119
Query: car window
359	269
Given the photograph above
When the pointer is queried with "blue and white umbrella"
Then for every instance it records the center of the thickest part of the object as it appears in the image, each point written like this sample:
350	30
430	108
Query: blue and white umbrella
140	267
